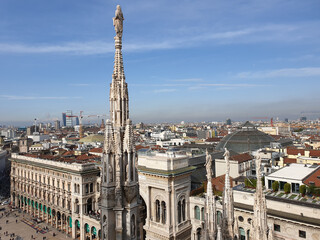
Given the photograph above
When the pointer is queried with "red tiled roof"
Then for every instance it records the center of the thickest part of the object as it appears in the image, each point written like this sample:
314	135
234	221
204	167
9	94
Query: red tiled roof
313	178
138	147
96	150
241	157
85	157
214	139
287	160
295	151
314	153
308	146
218	182
68	153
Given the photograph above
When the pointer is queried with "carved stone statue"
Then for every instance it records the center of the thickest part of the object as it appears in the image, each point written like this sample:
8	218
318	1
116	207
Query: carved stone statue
208	166
118	21
110	173
127	172
133	227
226	158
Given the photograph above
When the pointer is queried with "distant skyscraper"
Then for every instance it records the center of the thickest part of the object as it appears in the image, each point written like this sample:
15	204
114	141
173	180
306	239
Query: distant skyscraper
69	120
286	120
64	119
228	121
77	121
303	119
57	124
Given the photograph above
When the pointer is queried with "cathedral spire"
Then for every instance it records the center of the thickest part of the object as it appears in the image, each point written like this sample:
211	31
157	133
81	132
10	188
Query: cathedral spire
210	202
119	201
260	224
228	213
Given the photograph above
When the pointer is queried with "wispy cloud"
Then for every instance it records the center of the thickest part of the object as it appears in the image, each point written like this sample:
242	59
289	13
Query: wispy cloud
165	90
80	84
187	80
245	35
285	72
232	85
16	97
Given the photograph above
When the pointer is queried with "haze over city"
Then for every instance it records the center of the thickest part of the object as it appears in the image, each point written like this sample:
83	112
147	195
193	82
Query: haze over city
185	60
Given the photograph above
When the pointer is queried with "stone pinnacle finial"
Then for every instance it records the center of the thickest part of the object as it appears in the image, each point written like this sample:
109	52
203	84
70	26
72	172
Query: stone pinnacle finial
118	22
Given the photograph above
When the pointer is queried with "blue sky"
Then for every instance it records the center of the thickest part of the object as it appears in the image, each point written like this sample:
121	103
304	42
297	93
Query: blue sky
184	60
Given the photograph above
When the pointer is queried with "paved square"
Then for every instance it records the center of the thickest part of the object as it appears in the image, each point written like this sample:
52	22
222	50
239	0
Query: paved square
23	230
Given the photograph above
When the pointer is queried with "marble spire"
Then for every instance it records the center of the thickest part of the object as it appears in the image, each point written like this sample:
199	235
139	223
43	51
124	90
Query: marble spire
119	202
228	211
259	225
211	218
119	99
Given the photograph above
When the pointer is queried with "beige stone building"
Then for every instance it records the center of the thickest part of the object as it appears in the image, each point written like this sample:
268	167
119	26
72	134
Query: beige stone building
240	165
165	185
62	194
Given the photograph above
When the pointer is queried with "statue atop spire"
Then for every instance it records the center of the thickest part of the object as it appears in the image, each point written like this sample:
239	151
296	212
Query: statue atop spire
118	21
208	166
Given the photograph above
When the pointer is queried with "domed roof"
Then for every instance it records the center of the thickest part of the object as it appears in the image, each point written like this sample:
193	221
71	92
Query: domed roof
247	138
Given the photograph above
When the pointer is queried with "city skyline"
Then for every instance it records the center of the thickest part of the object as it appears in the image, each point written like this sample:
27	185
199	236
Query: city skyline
185	61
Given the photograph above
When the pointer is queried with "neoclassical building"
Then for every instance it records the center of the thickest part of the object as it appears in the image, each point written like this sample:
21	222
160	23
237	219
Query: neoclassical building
61	193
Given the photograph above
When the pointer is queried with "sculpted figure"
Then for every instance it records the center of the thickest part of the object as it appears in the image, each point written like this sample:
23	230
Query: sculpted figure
118	21
110	173
208	166
226	158
127	172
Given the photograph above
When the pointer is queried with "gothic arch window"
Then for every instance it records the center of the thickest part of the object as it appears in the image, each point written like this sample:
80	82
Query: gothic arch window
133	226
157	211
179	212
163	212
181	209
242	234
197	212
198	234
219	215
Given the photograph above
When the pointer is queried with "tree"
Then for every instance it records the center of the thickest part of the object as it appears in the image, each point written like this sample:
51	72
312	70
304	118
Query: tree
311	189
275	186
302	189
287	187
246	182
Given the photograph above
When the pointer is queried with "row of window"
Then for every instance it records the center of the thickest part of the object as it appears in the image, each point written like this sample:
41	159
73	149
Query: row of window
161	212
277	228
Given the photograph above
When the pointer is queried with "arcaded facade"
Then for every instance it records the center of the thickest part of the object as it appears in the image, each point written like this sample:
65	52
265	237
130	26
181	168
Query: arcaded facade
64	195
